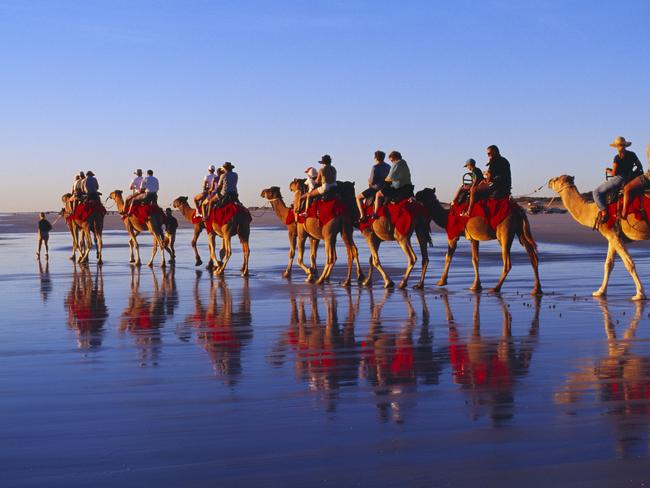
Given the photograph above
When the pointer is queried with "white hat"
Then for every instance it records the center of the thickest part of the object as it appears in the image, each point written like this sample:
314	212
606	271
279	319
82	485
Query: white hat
311	172
620	142
212	167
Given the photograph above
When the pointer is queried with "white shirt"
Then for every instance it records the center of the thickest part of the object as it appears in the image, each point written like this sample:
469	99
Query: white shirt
311	183
136	183
150	184
209	181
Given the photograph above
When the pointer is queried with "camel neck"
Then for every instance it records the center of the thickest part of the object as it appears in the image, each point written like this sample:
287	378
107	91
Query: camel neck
439	214
280	209
187	211
583	212
119	202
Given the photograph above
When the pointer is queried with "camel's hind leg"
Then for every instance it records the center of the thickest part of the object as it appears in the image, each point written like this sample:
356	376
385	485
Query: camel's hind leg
534	262
451	249
373	244
195	238
423	241
411	257
631	268
330	259
609	266
476	286
224	253
348	239
292	252
506	245
301	238
246	251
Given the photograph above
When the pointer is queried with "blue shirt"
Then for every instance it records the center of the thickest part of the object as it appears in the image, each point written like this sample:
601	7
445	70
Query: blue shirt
378	175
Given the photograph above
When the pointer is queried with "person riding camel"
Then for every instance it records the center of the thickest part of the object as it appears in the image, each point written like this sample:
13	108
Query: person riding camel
135	185
476	176
636	186
91	187
499	184
209	185
399	179
226	189
310	184
78	192
625	167
148	190
325	179
376	181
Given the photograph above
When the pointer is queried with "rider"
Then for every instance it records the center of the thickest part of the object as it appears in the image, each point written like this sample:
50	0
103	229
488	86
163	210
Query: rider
135	185
500	183
78	192
636	186
477	177
625	166
310	184
209	184
148	189
399	179
325	179
91	186
226	189
376	181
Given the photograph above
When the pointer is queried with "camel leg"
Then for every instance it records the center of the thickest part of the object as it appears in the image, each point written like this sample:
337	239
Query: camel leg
154	251
373	244
423	241
213	251
224	253
313	254
506	244
329	258
451	249
609	266
246	251
352	252
292	253
476	286
347	236
100	245
300	243
405	244
161	243
88	239
534	262
195	238
631	268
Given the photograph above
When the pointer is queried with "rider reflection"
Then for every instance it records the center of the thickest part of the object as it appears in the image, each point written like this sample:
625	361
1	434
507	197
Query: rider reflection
487	369
86	307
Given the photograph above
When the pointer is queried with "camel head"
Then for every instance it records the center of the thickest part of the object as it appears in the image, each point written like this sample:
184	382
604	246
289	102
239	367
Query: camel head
272	193
114	194
427	197
298	185
180	202
561	182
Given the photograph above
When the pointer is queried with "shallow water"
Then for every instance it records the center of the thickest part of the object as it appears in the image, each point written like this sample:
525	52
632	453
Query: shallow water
115	375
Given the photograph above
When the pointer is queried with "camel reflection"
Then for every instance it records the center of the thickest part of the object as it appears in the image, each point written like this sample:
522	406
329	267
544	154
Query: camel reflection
144	316
392	363
620	381
222	330
327	356
86	307
487	369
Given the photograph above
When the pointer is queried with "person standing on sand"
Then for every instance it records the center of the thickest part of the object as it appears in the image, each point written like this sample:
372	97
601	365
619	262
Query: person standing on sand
376	181
625	167
44	228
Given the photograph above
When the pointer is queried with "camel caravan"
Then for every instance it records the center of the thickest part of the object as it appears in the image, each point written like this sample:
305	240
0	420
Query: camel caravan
322	208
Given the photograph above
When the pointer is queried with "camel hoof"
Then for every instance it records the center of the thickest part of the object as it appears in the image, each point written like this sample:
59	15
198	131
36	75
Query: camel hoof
367	283
494	290
72	258
100	262
346	283
389	284
244	274
131	261
150	265
286	274
476	288
638	297
537	292
599	293
198	262
419	286
402	285
443	283
361	278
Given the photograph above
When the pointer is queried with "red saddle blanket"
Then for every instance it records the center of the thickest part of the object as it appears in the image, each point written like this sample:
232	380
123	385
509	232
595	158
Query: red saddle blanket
639	207
494	210
85	209
196	219
221	215
142	212
323	210
400	214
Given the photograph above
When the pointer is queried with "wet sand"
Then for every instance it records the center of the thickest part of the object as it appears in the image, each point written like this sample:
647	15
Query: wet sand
118	376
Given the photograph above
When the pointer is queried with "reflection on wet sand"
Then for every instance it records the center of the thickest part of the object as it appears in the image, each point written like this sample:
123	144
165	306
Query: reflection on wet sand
487	369
44	278
220	329
620	383
143	317
85	306
327	356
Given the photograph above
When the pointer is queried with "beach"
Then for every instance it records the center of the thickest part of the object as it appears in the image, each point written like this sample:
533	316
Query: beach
122	375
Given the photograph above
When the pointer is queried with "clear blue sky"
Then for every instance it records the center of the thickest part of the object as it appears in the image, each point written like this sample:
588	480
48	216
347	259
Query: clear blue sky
272	85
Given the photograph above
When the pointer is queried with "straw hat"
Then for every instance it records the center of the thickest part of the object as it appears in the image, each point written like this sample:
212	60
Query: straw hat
620	142
311	172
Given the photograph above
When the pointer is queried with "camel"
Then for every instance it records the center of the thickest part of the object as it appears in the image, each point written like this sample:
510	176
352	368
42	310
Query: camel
72	227
630	229
94	225
342	224
297	235
478	229
383	230
181	203
154	224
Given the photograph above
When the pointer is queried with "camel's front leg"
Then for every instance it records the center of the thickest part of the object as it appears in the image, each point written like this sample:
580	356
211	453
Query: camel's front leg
83	258
246	251
423	241
300	244
476	286
213	251
609	266
195	238
451	249
100	245
349	241
506	244
373	244
224	253
631	268
154	251
330	258
352	254
292	253
405	244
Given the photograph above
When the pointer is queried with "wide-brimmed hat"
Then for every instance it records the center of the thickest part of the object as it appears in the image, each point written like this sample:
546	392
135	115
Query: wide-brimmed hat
326	159
469	162
620	142
311	172
228	165
90	173
138	172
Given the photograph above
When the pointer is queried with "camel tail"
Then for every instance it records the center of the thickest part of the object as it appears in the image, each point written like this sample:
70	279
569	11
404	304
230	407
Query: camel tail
525	234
